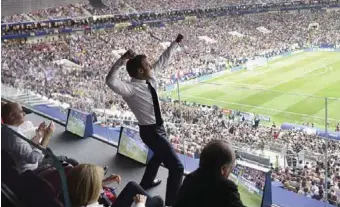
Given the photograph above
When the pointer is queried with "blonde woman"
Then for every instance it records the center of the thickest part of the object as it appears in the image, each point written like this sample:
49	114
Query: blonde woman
85	183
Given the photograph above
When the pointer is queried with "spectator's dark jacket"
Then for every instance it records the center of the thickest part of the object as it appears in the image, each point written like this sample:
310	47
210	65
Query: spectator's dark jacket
202	189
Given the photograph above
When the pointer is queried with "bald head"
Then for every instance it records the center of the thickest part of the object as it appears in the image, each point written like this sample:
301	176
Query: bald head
12	114
217	156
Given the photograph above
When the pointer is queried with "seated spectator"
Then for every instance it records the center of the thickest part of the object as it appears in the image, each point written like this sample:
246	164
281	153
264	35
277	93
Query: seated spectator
209	184
85	183
318	196
300	165
25	156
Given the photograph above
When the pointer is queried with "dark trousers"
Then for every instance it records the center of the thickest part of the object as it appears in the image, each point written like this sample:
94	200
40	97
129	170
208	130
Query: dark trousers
155	138
125	198
48	161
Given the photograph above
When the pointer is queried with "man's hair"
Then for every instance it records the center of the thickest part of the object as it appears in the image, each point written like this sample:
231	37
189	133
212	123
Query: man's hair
6	110
133	64
216	154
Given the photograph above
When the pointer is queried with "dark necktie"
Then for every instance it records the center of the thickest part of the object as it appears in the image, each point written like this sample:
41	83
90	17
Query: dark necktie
158	116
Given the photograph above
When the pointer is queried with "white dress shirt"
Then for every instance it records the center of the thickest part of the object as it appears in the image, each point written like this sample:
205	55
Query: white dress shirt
25	156
136	92
28	129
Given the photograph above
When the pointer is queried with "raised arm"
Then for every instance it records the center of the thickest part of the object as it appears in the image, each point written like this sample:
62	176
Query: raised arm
163	60
113	81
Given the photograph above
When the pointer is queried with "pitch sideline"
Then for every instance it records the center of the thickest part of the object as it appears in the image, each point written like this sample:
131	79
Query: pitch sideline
259	107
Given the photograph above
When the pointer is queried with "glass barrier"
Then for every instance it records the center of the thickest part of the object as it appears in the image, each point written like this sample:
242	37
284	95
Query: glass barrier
100	106
111	111
14	93
173	117
47	174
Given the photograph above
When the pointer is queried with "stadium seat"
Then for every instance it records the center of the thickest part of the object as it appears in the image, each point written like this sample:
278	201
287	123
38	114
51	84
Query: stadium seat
30	188
9	198
36	191
6	159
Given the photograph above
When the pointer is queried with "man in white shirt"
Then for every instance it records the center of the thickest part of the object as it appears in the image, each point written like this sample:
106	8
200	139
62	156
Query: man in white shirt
25	156
141	96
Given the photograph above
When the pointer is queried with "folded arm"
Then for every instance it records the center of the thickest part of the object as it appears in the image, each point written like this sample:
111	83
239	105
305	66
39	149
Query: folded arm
163	60
113	81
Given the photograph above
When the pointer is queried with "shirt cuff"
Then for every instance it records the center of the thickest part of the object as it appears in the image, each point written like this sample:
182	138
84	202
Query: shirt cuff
174	43
140	205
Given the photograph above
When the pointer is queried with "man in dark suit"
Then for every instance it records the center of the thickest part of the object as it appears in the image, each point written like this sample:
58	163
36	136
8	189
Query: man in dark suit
209	186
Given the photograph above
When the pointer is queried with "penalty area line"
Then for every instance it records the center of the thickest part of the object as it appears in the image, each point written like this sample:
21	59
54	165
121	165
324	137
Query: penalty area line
258	107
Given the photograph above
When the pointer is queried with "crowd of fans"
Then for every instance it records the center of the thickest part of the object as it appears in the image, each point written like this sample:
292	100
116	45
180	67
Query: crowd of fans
108	7
309	179
33	66
75	10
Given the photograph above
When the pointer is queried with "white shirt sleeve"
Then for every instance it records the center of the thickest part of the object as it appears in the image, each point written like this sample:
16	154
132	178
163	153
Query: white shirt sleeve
118	86
139	205
27	153
163	60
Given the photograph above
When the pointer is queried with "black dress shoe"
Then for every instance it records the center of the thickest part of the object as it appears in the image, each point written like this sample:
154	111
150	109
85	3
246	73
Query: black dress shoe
154	183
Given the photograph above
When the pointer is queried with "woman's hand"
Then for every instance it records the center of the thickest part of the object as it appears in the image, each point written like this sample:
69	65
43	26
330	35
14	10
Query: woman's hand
112	178
140	199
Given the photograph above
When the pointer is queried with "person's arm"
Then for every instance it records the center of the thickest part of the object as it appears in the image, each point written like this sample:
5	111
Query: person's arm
112	178
113	81
163	60
25	152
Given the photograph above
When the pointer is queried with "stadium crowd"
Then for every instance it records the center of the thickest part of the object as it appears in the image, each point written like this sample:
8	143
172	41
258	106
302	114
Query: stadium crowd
85	8
309	179
231	41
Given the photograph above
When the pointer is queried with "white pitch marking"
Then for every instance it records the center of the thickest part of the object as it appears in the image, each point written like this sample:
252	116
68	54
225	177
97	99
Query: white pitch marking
258	107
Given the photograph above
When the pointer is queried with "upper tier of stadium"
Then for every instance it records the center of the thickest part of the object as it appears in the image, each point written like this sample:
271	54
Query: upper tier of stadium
80	8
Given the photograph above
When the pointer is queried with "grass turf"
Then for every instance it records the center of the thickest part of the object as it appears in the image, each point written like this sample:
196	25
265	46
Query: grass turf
248	199
290	89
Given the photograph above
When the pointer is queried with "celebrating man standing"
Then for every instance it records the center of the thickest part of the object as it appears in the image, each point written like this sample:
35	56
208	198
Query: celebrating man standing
141	96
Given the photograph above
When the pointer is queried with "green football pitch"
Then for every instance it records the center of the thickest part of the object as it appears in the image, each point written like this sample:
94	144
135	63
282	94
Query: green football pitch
248	199
289	89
